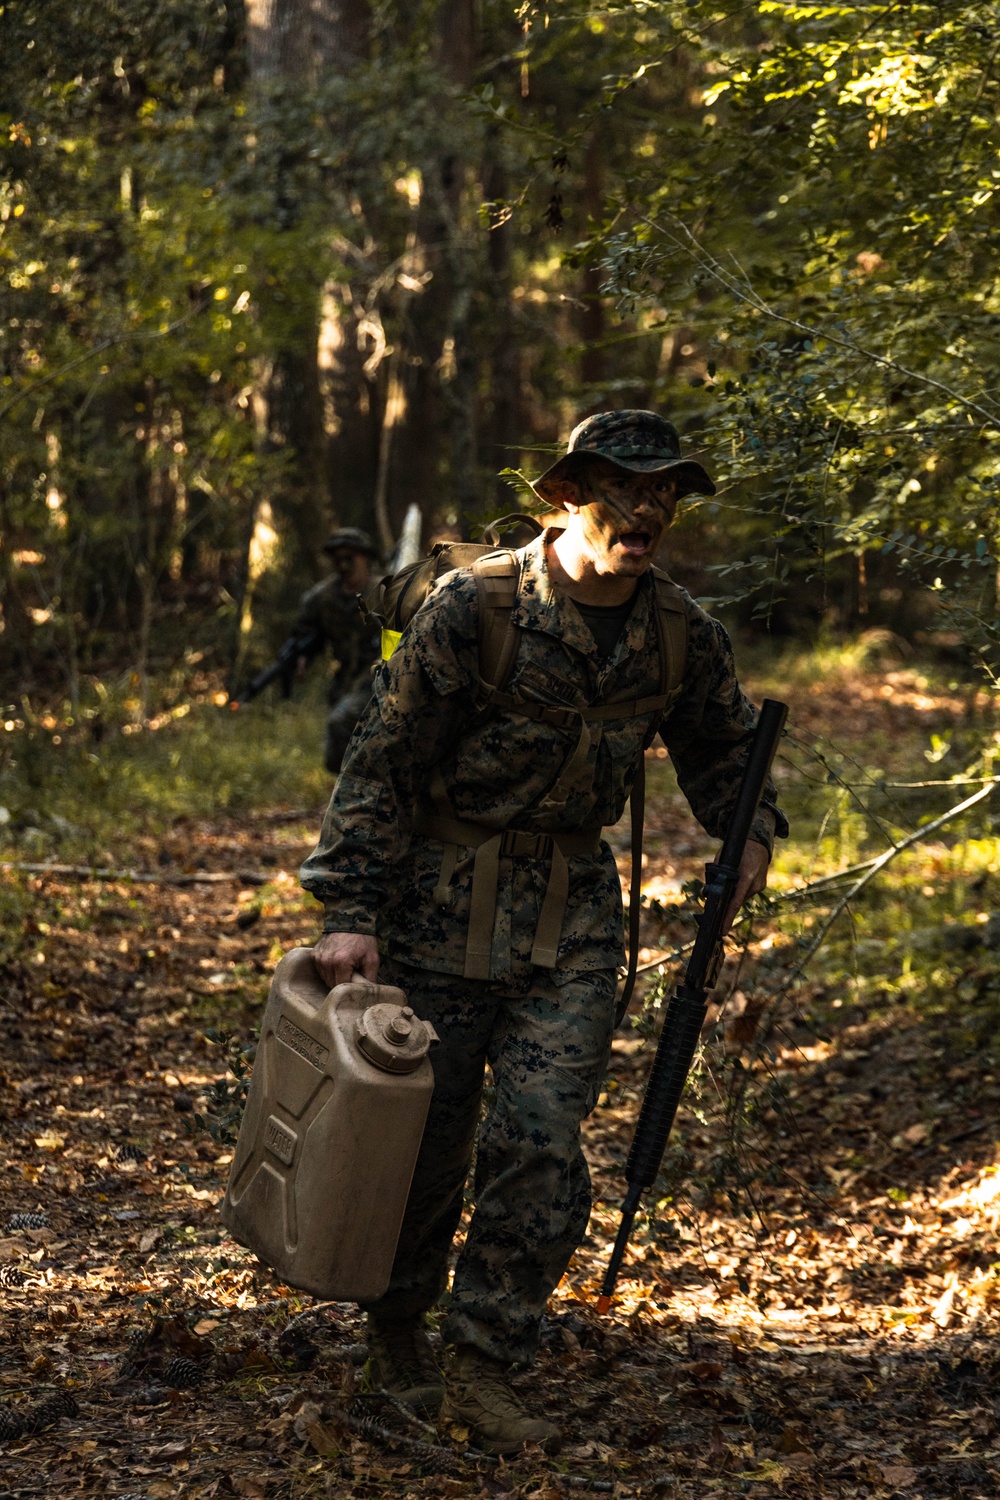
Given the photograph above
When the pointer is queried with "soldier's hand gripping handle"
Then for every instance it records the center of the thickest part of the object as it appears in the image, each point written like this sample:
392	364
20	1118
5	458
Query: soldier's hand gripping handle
340	955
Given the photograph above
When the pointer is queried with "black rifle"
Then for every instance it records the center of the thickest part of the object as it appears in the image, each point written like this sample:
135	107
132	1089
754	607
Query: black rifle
686	1011
309	644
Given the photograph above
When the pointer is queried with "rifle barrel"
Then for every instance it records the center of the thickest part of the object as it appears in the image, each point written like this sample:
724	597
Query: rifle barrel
758	767
686	1010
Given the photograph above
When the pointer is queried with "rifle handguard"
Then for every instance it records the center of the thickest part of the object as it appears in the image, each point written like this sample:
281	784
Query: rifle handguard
667	1077
686	1011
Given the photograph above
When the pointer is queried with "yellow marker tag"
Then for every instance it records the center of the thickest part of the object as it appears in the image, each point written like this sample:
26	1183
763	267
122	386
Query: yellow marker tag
390	640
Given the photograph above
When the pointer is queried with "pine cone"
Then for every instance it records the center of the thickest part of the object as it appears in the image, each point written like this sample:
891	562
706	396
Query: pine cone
10	1276
128	1152
183	1375
63	1404
11	1425
26	1221
47	1412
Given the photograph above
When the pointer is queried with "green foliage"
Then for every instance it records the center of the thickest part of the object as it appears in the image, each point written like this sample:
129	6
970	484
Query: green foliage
227	1096
789	207
89	796
828	239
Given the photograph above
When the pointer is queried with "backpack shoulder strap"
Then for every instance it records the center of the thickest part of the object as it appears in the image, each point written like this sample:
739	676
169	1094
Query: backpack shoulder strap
672	631
496	577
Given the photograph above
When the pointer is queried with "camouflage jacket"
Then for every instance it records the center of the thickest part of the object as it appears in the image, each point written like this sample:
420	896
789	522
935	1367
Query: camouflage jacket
329	608
376	875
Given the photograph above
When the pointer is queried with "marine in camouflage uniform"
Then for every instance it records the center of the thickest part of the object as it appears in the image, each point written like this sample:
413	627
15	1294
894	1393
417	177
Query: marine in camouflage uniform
426	748
332	608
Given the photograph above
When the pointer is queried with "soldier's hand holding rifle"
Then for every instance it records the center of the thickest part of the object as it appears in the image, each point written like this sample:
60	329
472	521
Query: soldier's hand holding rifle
752	879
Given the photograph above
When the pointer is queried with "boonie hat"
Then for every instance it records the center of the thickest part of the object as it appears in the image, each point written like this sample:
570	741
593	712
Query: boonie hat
353	537
638	441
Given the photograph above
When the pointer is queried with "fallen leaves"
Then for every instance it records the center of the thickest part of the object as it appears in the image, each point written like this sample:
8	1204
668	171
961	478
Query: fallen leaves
251	1485
901	1476
168	1452
848	1345
50	1140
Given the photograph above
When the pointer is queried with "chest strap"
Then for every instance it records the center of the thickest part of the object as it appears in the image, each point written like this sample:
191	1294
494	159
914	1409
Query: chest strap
579	719
492	845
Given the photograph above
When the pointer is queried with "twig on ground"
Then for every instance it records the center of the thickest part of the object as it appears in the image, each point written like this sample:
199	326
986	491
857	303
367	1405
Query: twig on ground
143	877
374	1431
408	1416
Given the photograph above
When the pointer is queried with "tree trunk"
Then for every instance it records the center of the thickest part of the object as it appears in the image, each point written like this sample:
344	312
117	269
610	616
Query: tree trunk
298	39
501	420
296	42
592	362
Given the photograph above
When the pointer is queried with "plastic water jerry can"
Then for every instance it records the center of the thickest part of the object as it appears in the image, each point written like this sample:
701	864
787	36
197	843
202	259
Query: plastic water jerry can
335	1113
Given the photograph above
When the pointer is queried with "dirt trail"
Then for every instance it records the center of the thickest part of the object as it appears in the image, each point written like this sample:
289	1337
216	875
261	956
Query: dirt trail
840	1342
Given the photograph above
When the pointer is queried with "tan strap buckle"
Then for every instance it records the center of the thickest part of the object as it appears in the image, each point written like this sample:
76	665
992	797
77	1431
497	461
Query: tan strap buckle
528	845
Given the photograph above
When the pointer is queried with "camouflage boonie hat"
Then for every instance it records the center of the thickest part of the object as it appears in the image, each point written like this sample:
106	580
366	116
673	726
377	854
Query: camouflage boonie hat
639	441
353	537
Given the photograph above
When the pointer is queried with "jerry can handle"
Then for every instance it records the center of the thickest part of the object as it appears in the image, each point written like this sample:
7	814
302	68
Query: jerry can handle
323	989
312	987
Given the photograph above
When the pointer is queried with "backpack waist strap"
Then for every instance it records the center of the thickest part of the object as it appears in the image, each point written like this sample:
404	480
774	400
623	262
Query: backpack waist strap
491	845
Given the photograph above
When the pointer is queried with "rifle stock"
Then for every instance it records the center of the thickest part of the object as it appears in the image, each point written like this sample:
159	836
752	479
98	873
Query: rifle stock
689	1003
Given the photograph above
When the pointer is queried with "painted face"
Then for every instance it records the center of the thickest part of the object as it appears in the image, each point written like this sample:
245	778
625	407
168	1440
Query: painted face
624	517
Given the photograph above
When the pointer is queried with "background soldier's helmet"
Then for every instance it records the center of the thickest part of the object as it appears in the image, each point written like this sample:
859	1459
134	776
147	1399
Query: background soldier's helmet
638	441
353	537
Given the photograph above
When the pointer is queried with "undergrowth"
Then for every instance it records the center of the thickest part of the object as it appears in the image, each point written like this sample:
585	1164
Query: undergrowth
68	793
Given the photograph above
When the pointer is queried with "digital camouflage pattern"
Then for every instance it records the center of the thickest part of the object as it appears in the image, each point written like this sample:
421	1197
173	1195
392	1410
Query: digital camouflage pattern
375	876
547	1037
545	1033
640	441
331	609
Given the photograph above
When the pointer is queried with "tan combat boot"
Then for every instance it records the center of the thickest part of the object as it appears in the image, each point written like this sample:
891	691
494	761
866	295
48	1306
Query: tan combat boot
403	1363
478	1395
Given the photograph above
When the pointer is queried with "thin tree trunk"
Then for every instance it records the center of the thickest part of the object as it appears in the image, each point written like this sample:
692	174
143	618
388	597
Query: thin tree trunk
503	411
592	362
243	613
296	42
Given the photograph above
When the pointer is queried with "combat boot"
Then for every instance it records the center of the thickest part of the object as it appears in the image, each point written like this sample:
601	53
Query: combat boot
403	1363
479	1396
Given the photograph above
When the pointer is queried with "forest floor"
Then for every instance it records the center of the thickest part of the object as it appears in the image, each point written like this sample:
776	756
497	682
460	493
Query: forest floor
809	1311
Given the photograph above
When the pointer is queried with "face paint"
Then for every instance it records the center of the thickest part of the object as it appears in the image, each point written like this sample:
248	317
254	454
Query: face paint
624	517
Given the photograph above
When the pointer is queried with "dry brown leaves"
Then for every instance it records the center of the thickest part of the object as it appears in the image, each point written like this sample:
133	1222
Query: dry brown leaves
840	1344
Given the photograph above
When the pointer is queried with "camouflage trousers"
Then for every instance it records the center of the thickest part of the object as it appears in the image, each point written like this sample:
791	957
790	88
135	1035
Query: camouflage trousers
343	717
547	1046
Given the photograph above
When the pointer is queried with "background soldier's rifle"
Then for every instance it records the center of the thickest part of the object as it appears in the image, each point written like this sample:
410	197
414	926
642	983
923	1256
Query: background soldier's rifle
285	663
686	1011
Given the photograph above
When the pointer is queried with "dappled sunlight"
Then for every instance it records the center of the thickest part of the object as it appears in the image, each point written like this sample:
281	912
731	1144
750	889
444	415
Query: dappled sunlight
811	1294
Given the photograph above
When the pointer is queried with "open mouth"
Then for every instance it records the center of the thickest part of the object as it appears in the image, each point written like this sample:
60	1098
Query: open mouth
636	541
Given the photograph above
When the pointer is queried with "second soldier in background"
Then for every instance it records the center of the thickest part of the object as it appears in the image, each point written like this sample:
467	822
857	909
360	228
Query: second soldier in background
332	608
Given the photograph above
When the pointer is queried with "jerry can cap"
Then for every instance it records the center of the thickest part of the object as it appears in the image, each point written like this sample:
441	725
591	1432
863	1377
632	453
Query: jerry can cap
394	1038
